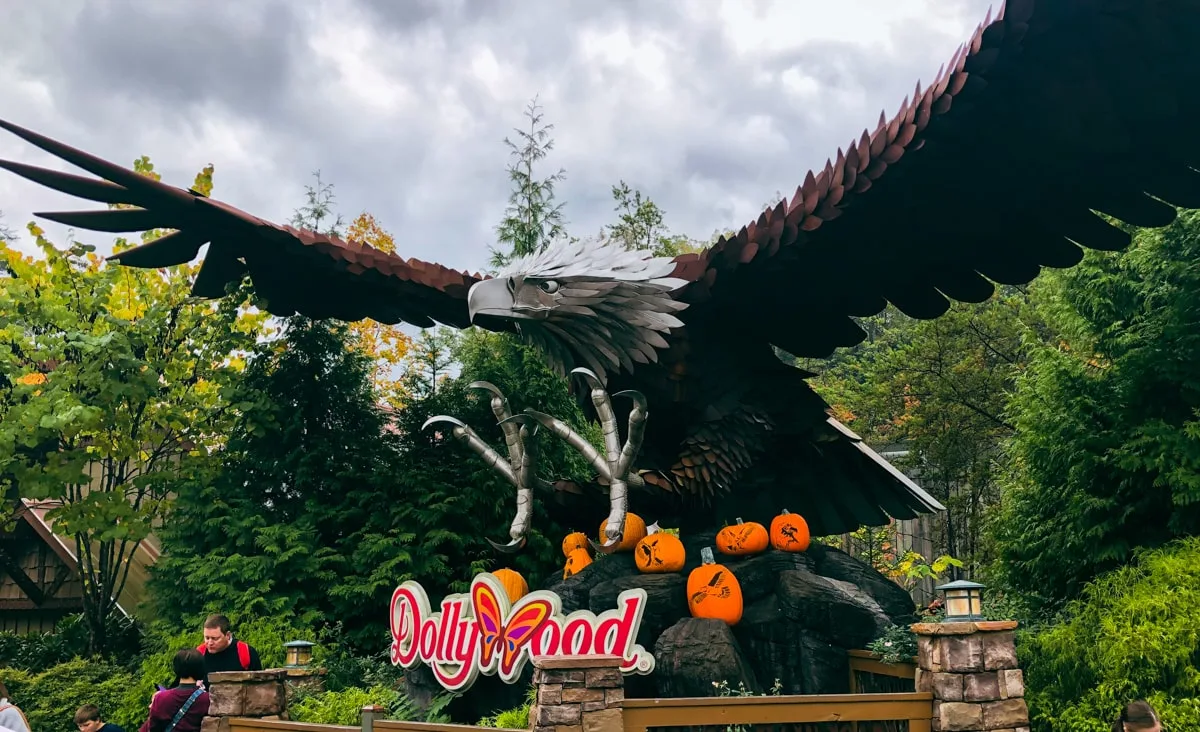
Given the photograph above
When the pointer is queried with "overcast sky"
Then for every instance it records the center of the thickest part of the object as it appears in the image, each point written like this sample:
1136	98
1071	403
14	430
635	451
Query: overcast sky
708	107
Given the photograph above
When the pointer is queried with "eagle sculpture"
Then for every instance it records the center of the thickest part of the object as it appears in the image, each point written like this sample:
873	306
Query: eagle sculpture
1053	111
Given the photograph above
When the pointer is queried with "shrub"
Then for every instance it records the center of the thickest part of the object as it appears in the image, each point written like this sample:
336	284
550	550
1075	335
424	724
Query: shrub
50	698
517	718
1134	632
36	652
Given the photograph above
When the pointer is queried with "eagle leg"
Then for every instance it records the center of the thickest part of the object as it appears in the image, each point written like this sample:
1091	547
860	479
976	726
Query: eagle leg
520	475
618	457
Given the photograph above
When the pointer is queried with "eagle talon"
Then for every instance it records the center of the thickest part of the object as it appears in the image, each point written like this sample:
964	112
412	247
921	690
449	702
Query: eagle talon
608	547
511	547
520	432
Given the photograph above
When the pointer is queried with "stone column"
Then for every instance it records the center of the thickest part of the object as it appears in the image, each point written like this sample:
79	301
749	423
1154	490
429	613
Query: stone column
577	694
256	694
971	668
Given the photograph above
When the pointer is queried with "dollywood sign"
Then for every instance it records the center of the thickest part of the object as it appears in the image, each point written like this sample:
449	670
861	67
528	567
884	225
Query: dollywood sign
481	632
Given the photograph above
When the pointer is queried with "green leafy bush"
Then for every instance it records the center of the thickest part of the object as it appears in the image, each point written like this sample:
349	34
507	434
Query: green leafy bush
37	652
50	698
340	707
517	718
1134	632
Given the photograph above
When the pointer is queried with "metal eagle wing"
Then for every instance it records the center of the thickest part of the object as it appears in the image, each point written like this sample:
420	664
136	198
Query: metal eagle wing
1051	112
292	270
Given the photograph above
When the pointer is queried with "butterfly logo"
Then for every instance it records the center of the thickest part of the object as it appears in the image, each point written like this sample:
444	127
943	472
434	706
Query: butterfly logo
501	639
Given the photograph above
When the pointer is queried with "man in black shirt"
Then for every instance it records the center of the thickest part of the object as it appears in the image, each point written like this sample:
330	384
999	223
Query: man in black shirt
222	652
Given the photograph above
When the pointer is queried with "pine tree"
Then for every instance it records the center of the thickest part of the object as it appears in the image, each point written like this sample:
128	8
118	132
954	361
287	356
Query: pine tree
532	219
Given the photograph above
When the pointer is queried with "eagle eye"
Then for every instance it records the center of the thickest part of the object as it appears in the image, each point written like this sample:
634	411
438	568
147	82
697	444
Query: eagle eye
549	287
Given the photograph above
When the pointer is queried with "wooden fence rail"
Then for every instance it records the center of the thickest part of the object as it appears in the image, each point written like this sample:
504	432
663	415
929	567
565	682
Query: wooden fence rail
915	708
392	725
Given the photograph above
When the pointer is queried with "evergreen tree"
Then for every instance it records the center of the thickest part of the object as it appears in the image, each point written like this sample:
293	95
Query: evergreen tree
1107	442
261	535
532	219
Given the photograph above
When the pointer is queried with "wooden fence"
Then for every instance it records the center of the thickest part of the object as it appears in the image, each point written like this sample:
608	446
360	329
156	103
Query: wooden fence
883	701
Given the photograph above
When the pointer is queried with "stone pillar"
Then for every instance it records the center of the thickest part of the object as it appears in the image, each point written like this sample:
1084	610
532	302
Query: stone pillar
256	694
971	668
310	680
577	694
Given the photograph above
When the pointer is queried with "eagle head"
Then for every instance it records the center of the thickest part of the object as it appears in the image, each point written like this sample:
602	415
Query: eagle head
586	303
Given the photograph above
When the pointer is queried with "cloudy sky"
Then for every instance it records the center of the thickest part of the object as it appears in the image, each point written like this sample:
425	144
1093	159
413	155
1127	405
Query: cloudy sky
708	107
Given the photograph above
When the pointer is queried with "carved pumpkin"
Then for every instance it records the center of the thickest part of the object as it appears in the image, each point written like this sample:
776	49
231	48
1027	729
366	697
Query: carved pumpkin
789	532
576	561
713	591
635	531
742	538
659	552
513	583
574	540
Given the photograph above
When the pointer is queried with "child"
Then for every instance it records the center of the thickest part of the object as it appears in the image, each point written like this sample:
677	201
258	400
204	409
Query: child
87	719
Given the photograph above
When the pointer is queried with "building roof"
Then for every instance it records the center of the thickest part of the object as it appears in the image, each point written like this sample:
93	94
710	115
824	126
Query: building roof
34	512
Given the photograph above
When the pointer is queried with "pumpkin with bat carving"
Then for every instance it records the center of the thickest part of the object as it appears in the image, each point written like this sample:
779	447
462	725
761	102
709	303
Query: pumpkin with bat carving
742	538
789	532
659	552
513	583
713	591
574	540
576	561
635	530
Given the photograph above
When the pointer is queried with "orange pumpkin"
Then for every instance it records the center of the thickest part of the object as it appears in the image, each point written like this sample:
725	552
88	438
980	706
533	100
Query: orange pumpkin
574	540
742	538
713	591
789	532
658	552
576	561
513	583
635	531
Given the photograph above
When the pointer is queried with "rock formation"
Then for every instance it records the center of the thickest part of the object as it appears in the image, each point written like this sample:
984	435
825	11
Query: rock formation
803	611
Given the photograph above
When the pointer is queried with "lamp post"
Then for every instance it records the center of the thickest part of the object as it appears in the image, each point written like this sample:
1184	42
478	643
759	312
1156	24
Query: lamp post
963	600
299	653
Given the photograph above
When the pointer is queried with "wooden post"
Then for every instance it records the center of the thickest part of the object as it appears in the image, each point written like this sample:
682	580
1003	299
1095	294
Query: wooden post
370	714
577	694
971	669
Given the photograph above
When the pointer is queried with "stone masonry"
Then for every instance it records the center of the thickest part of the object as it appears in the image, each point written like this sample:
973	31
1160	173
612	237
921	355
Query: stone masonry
971	669
259	694
577	694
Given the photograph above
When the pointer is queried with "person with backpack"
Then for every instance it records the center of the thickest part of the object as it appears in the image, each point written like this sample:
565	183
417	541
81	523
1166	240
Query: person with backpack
221	652
183	707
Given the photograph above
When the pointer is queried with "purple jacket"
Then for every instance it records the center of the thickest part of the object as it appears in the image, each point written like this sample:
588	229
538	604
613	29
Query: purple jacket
167	703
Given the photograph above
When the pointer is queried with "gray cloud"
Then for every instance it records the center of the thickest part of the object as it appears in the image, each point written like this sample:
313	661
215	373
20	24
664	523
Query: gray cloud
708	107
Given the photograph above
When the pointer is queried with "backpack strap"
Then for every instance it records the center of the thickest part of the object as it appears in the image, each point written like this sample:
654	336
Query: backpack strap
186	706
243	651
23	717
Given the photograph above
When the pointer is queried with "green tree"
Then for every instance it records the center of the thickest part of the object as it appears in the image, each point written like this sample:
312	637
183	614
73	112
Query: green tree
532	219
938	388
261	535
641	225
110	395
1107	443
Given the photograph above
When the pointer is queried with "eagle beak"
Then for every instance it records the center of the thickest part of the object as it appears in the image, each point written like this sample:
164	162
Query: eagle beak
493	298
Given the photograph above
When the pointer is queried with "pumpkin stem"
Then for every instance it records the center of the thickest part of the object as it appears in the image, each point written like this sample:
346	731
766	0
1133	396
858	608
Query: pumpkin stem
739	520
706	555
784	512
652	529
